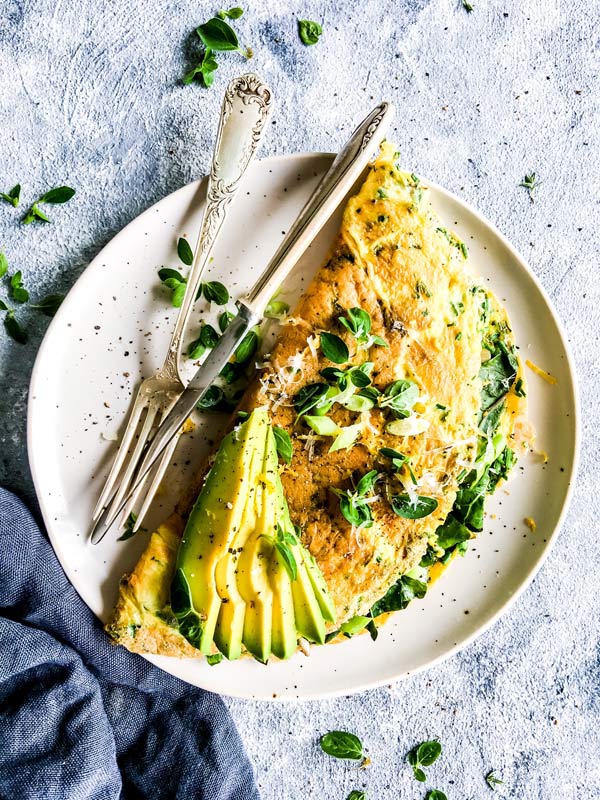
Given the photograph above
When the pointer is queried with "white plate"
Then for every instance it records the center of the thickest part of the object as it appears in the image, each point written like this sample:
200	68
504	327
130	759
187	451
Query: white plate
113	328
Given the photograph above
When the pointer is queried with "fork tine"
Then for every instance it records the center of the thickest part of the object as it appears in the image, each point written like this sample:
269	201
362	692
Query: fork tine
156	480
132	425
134	459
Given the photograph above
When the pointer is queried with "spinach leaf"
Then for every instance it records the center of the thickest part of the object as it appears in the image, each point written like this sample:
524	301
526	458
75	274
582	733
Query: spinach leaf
420	507
341	744
400	595
497	375
452	532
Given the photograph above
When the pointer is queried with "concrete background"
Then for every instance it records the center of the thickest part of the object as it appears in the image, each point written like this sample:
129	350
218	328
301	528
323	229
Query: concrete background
90	96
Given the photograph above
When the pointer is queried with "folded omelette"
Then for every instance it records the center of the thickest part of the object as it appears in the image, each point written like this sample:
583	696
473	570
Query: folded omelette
395	401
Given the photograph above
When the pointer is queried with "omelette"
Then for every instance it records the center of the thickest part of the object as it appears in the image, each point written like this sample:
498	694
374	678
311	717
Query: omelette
397	389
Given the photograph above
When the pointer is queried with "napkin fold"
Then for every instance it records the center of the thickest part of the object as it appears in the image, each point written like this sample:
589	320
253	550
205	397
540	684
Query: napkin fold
81	718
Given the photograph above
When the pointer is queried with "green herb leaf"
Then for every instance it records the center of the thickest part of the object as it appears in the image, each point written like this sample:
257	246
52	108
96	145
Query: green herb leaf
61	194
225	318
204	69
467	6
420	507
435	794
334	348
309	31
166	274
129	524
492	781
178	294
247	347
308	397
215	292
214	658
17	291
184	251
208	336
233	13
3	264
428	752
14	329
33	214
400	397
530	183
355	794
3	306
217	35
12	196
283	442
282	542
341	744
50	304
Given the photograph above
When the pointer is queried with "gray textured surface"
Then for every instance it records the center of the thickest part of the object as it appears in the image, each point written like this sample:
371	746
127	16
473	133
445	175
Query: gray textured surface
89	95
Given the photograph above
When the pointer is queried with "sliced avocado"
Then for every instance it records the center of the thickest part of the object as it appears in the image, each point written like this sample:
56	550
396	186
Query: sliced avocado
253	571
284	639
209	533
319	586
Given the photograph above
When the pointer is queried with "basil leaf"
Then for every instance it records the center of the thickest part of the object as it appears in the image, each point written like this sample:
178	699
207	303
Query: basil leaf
196	350
371	393
358	322
3	264
216	34
166	274
33	214
367	482
492	780
17	291
355	794
233	13
50	304
214	658
283	442
428	753
12	196
225	318
405	507
61	194
309	31
215	292
205	70
419	774
213	397
308	397
341	744
184	251
3	306
334	348
247	347
208	336
178	294
129	524
400	397
360	377
14	329
435	794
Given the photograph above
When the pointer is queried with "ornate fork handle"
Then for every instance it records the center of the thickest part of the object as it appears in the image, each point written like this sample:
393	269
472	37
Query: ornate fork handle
244	113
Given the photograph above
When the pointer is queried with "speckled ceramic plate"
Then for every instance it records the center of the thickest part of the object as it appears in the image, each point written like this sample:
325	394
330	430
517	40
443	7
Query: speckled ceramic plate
113	328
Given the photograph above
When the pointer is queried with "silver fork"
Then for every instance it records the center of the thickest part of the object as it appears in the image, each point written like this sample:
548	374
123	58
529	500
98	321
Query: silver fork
246	107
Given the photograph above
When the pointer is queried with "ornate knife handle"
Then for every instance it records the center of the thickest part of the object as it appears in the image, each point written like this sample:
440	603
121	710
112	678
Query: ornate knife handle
246	107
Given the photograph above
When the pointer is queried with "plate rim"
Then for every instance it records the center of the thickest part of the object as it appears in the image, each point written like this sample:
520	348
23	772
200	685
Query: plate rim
504	607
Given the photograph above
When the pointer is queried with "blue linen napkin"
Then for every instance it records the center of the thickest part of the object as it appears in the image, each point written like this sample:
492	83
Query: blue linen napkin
81	718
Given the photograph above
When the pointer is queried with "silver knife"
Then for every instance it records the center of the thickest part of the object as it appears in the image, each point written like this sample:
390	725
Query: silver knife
331	190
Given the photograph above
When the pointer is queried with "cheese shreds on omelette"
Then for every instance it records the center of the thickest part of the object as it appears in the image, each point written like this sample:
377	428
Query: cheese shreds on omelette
394	259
